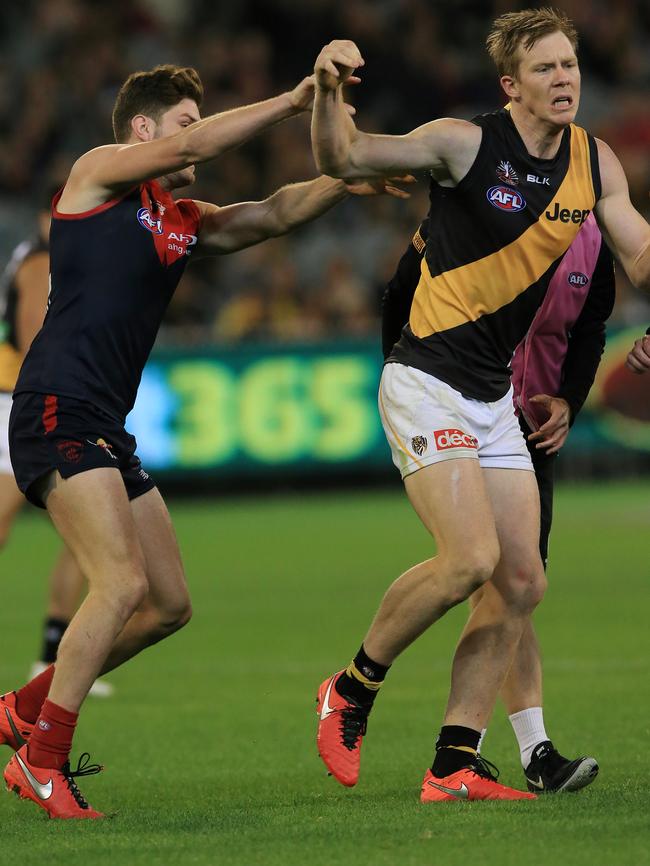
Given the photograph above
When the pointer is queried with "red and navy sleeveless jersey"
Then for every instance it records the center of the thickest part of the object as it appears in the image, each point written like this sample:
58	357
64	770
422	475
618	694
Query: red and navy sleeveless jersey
113	272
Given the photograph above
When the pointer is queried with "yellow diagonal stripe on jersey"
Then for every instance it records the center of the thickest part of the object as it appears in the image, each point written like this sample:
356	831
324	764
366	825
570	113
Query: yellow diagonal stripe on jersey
466	293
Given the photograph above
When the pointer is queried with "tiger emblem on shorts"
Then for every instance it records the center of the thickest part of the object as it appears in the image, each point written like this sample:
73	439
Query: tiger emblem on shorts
419	445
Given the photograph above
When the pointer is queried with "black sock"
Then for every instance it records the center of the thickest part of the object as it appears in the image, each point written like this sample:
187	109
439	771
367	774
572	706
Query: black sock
455	748
362	679
53	631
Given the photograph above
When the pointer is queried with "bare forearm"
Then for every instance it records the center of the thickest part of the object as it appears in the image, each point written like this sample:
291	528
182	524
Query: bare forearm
640	269
332	132
299	203
213	135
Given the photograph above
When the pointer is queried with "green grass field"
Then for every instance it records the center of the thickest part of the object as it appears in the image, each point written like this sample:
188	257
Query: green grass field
209	742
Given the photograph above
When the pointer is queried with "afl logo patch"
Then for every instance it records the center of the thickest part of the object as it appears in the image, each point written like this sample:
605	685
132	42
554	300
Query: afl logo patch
506	198
148	222
576	278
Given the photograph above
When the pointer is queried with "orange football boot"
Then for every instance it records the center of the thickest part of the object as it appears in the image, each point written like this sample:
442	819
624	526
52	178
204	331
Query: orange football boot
14	731
476	781
341	727
52	790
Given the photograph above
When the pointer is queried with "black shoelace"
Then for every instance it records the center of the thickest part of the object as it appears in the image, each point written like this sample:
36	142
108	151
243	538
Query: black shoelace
84	768
482	767
354	722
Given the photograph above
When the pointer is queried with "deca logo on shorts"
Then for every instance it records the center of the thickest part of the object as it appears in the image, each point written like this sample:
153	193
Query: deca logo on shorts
506	198
446	439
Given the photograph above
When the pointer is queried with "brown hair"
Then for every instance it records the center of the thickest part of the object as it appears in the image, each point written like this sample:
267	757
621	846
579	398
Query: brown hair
525	28
152	93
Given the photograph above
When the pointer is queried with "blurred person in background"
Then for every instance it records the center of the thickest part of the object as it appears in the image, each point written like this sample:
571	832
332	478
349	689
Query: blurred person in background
508	196
553	369
23	299
119	243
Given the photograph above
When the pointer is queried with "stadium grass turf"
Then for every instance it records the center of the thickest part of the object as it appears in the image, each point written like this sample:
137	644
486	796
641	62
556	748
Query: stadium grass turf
209	742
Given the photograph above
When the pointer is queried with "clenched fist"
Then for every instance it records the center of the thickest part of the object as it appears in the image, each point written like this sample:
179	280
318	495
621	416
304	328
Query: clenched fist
336	63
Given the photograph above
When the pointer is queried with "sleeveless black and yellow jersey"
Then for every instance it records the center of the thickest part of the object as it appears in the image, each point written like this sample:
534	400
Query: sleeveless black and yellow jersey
498	236
10	357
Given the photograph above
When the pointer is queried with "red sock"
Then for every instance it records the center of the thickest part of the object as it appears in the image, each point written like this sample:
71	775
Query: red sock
29	699
51	740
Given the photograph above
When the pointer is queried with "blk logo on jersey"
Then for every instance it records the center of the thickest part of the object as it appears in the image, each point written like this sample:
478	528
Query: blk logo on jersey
147	221
506	199
446	439
577	278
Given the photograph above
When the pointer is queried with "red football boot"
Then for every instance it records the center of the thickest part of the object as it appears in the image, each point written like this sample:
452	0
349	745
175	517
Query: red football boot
341	727
52	790
14	731
474	782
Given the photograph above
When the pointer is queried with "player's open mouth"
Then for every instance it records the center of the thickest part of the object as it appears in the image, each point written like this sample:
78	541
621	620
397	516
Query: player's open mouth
564	101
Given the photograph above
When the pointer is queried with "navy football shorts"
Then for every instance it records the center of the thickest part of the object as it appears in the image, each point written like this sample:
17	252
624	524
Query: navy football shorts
49	432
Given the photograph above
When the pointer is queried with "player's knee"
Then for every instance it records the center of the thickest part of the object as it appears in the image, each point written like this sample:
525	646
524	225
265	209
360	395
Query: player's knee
527	587
170	614
129	594
176	616
471	569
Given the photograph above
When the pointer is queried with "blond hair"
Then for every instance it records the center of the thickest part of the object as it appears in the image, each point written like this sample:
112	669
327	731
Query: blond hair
525	28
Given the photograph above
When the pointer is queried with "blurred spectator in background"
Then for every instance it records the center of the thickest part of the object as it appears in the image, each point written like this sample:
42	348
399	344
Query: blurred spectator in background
63	60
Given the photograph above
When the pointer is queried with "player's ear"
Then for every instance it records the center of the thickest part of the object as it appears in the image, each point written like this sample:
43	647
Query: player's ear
510	86
143	127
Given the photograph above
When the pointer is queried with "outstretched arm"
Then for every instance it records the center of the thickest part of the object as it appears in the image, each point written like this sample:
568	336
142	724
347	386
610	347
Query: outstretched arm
626	232
105	170
231	228
446	146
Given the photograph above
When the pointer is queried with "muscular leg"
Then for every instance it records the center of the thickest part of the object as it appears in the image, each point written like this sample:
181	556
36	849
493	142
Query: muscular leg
92	514
522	687
452	501
488	642
166	607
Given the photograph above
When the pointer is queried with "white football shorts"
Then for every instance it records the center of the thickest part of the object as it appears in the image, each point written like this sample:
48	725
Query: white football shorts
427	421
5	411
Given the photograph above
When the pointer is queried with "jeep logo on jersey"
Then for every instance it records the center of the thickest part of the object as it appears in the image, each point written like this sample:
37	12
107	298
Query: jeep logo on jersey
148	222
576	278
506	198
445	439
564	215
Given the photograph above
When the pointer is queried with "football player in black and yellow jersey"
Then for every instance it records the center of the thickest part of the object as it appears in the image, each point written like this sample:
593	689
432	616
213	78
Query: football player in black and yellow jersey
509	192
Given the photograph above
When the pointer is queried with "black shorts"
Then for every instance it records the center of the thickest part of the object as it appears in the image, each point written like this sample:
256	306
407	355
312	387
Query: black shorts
49	432
544	466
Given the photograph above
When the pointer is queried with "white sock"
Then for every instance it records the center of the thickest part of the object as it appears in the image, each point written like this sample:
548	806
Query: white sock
528	726
480	741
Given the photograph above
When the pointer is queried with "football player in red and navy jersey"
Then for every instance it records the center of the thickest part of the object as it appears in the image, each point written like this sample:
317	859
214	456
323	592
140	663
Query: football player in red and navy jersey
118	246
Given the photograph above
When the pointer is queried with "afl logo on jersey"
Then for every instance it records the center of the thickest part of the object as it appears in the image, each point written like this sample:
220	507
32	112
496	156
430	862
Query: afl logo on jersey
506	198
576	278
148	222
